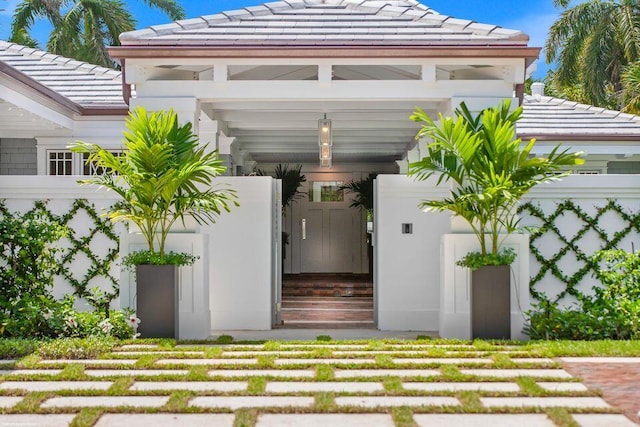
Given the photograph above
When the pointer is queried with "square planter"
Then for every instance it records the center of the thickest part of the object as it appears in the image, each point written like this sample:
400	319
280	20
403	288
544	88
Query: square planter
491	302
157	300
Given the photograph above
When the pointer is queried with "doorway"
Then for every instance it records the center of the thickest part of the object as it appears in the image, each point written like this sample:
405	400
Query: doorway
330	286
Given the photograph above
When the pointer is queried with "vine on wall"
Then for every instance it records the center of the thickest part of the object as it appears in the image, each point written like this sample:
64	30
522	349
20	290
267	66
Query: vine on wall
99	266
572	245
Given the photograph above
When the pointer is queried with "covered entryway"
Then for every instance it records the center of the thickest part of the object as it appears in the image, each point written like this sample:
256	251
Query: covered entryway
256	81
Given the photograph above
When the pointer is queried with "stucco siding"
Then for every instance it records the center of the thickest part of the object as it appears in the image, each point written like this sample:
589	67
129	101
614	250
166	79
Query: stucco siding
18	156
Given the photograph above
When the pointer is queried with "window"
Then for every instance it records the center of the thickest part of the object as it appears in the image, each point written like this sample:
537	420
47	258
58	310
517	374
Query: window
326	191
64	162
60	162
91	168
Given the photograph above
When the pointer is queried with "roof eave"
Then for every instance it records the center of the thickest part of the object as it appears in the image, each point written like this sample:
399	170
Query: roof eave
579	137
343	51
66	103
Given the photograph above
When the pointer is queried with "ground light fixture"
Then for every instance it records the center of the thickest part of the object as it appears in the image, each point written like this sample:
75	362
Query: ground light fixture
325	142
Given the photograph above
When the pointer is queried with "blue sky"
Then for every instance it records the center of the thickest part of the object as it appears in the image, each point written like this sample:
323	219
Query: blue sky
533	17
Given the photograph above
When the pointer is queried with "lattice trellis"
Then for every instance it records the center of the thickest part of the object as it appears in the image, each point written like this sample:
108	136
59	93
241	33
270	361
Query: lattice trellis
590	223
99	265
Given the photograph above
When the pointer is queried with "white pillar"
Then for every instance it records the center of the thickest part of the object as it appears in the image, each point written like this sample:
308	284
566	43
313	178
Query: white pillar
224	151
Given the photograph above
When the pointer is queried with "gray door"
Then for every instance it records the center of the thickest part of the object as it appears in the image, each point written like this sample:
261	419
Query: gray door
326	244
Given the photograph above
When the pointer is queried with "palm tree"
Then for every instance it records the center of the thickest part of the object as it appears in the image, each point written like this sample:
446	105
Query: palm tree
490	169
82	28
593	42
162	176
631	88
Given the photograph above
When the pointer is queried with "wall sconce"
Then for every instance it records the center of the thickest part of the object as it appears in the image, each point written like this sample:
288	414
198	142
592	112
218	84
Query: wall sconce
325	142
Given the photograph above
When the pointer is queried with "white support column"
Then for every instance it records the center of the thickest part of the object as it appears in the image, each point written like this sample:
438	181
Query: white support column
220	73
208	131
224	151
428	72
325	73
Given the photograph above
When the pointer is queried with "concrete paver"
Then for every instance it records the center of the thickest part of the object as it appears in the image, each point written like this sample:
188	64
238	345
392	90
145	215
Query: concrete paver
324	420
324	361
603	420
237	402
89	361
9	401
207	361
281	373
553	386
488	386
189	385
31	372
544	402
105	401
134	372
482	420
355	373
441	361
513	373
390	401
166	420
34	420
338	387
55	385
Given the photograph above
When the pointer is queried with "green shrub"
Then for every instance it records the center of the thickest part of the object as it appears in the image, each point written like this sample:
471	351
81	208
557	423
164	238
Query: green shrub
76	348
14	348
323	338
224	339
29	263
612	312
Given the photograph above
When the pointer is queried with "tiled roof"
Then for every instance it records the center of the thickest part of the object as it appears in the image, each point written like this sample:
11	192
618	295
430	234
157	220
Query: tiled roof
327	23
547	116
84	84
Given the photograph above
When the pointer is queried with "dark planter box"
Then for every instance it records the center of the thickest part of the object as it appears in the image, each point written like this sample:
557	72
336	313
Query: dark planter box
157	300
491	302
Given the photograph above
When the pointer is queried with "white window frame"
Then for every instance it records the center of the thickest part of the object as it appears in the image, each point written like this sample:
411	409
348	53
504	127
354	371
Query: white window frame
77	161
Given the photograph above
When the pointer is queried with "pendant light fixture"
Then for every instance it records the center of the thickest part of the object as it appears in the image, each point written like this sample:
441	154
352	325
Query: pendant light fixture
325	142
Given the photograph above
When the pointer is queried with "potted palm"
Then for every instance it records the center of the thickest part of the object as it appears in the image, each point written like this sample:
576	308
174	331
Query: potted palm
363	200
489	170
162	176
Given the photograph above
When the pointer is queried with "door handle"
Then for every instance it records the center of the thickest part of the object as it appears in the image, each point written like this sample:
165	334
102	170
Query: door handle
304	229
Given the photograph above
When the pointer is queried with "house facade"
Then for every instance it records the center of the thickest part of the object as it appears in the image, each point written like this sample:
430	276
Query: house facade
255	83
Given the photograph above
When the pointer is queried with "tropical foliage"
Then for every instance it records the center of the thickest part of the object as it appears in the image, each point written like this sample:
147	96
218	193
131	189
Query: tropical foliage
292	178
612	311
163	175
363	192
593	42
82	28
489	168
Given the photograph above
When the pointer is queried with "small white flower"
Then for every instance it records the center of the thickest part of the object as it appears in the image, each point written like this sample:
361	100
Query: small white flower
134	321
105	326
136	335
47	314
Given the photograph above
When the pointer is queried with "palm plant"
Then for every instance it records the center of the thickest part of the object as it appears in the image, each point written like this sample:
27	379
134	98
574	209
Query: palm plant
631	88
489	169
291	179
593	41
82	28
363	191
162	176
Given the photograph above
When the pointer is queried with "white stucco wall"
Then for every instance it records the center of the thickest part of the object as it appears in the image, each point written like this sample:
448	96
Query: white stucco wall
240	267
407	265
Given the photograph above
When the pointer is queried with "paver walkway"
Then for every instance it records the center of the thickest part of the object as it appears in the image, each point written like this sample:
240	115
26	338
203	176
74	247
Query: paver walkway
407	383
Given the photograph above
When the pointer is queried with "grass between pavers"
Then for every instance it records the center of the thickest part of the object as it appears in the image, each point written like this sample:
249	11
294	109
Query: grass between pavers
561	417
245	418
87	417
403	417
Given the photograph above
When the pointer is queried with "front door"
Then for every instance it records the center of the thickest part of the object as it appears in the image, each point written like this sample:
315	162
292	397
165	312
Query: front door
327	231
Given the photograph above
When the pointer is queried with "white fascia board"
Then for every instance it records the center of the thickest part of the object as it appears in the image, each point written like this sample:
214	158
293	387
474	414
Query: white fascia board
157	62
59	187
34	103
589	148
313	90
